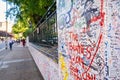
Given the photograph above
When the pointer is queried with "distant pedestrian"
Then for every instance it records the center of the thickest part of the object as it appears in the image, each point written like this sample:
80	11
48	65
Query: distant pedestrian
10	43
23	42
18	41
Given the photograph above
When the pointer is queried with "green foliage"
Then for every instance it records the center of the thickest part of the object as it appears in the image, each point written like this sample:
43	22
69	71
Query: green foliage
19	28
27	32
26	11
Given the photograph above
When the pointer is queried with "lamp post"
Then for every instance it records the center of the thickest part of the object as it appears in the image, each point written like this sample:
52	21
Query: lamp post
6	45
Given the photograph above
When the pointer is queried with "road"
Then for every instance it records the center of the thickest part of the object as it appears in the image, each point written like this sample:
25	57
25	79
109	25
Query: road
2	45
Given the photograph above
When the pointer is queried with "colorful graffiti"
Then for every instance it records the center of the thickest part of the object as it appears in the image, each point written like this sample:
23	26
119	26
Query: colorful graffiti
89	39
47	67
63	68
113	35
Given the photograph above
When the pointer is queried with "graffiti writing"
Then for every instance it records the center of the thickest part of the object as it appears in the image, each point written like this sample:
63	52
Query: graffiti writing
89	34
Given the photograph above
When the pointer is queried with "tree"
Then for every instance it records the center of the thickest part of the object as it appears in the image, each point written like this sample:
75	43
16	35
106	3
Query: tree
25	11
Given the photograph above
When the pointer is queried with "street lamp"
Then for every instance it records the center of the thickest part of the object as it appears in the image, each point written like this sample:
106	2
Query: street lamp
6	46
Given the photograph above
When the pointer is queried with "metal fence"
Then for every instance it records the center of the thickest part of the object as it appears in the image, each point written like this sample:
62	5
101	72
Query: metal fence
46	34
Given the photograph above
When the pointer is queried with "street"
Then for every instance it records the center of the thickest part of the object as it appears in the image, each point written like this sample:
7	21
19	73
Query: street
18	64
2	45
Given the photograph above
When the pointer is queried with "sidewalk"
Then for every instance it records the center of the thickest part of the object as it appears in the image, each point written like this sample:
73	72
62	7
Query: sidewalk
18	65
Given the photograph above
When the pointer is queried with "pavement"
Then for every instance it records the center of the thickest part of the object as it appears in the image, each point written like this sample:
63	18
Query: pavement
18	64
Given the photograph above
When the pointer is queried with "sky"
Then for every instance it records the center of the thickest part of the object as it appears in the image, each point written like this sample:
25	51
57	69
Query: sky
3	11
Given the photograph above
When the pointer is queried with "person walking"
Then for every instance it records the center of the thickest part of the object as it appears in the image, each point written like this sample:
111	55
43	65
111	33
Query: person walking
10	43
23	42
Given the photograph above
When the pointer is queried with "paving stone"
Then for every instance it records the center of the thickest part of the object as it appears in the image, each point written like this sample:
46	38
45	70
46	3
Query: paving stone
19	65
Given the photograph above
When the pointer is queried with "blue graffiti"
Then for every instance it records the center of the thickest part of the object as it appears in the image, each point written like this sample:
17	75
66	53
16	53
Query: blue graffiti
66	18
117	48
106	43
110	27
89	11
109	35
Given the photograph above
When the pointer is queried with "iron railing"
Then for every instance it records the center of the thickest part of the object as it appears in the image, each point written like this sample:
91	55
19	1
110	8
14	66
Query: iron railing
46	34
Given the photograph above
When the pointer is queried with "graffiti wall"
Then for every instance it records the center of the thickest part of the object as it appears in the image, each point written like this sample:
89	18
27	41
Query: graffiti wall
47	67
89	37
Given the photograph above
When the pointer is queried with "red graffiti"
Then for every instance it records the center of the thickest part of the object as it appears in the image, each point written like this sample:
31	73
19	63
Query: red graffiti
86	52
100	16
78	52
77	60
84	76
81	49
78	48
87	76
100	38
73	36
96	18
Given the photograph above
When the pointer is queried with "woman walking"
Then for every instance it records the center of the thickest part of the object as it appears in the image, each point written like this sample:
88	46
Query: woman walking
10	43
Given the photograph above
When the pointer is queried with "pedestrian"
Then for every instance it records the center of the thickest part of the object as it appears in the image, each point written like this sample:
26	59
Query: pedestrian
10	43
23	42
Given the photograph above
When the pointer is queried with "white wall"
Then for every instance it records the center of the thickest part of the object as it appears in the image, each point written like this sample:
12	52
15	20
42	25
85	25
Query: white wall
89	39
9	26
47	67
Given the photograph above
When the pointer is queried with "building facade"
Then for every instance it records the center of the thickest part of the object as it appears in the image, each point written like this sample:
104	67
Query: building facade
3	26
